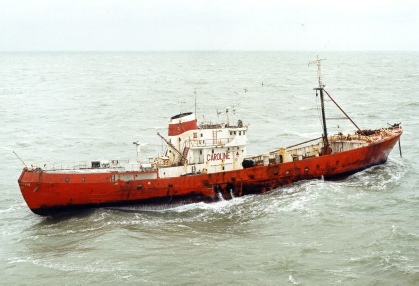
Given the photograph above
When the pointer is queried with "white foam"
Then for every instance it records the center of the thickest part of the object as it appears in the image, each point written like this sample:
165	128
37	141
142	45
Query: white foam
292	280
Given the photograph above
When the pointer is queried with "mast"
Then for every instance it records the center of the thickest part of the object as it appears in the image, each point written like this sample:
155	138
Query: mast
321	89
195	100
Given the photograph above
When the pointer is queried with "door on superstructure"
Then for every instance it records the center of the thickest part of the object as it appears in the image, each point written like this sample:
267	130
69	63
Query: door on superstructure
214	137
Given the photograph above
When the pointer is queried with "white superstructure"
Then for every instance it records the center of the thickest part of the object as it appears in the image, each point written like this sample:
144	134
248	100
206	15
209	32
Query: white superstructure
207	148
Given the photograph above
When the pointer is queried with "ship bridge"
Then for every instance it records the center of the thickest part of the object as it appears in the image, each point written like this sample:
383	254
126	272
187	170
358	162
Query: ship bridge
205	147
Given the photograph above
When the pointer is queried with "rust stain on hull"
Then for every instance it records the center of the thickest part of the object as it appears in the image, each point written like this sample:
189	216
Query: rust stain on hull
49	193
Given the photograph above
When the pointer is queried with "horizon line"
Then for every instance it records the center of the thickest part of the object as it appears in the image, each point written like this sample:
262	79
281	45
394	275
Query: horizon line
188	51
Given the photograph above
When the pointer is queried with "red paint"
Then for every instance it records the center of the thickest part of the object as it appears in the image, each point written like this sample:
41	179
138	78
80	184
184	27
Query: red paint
179	128
47	192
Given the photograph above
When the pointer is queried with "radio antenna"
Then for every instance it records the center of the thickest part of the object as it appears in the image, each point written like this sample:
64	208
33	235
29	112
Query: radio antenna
180	106
195	100
321	89
319	71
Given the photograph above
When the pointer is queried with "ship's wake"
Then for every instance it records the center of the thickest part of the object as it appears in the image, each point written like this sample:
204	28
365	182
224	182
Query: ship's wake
303	198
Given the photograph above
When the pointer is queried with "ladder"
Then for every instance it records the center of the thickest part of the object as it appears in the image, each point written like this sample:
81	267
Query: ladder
184	158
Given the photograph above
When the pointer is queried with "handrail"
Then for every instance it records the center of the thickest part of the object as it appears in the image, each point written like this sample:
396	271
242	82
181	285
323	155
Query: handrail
207	142
304	142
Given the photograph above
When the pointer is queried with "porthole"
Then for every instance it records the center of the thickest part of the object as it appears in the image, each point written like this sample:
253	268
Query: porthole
67	179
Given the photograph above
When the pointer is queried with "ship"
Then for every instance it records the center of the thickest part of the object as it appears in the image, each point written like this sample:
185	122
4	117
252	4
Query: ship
205	162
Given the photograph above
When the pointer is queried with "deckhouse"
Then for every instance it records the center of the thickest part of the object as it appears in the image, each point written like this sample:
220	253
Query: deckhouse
204	148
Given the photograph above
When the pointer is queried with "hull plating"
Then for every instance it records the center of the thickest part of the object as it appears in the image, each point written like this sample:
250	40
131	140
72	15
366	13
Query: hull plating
49	192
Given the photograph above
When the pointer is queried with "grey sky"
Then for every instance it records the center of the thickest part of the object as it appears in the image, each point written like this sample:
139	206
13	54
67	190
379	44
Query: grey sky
137	25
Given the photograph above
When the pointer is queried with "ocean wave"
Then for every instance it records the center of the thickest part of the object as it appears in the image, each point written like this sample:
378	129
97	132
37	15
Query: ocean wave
379	178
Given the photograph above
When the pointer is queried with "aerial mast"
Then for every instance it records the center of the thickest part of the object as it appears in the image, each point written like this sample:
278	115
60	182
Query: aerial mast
195	100
321	88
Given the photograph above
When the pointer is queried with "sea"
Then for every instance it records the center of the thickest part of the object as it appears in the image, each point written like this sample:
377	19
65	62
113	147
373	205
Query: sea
62	108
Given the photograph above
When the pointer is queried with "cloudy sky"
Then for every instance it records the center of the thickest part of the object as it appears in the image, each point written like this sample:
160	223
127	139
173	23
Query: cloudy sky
139	25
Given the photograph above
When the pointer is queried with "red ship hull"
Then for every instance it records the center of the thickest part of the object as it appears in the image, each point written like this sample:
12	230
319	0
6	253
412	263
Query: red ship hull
47	193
